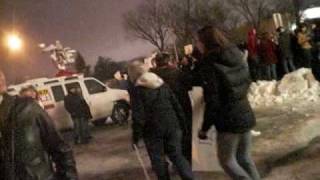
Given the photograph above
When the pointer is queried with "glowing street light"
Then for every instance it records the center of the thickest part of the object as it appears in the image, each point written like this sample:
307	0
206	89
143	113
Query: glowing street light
14	42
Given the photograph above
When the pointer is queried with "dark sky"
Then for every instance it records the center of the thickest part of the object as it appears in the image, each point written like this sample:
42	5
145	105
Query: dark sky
94	27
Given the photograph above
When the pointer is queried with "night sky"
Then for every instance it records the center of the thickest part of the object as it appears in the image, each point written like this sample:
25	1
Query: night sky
94	27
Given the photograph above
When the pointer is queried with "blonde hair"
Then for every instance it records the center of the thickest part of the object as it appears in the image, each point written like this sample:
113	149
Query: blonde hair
135	70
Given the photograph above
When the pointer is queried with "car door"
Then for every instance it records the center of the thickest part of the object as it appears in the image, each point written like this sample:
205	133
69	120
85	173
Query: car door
100	101
57	111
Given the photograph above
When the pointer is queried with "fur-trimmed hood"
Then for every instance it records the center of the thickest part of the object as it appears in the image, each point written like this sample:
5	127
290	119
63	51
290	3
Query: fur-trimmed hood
149	80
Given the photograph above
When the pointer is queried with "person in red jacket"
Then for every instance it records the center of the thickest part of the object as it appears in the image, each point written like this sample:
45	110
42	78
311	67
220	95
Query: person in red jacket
253	59
267	53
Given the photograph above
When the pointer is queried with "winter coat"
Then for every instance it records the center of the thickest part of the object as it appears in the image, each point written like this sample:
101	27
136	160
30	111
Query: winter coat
267	52
28	140
77	106
285	44
155	109
169	75
304	40
180	82
225	81
252	44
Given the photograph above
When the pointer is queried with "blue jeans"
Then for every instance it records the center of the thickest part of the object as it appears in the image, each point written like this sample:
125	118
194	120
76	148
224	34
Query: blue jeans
81	130
169	144
271	72
235	156
288	64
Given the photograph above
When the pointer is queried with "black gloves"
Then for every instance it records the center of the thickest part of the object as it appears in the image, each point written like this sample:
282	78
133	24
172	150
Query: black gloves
202	135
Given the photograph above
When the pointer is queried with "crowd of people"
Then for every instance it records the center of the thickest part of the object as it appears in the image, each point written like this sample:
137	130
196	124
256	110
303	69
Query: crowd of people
161	107
271	55
162	111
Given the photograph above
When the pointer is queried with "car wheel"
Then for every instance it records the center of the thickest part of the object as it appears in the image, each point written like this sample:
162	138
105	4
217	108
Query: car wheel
120	113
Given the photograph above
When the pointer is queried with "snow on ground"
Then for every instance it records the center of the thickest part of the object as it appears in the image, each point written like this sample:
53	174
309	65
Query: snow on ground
298	86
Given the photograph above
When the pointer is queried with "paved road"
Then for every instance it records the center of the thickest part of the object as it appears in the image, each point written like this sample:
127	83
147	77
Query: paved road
110	157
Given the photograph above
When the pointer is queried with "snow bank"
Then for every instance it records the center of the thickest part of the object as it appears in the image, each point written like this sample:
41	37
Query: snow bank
299	85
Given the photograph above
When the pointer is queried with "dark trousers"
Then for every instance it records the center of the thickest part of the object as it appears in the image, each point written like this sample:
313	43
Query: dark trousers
81	130
255	69
307	58
288	64
235	157
271	72
317	51
186	105
169	144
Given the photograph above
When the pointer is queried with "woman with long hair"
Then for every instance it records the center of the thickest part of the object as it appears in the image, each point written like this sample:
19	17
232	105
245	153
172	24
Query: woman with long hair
225	80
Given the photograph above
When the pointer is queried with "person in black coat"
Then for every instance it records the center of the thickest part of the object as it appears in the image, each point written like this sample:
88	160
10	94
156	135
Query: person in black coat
225	80
157	116
285	47
80	113
29	142
179	82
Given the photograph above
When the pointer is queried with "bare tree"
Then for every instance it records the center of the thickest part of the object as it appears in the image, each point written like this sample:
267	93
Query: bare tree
285	6
186	16
157	21
253	11
148	22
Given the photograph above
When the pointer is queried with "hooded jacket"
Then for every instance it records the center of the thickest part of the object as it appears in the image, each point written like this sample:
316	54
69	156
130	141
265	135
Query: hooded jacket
225	80
169	74
155	108
28	140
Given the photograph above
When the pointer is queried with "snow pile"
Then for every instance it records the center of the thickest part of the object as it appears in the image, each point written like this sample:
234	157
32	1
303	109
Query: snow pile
299	85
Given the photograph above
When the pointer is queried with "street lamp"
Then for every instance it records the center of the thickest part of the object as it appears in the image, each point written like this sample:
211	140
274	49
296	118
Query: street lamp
14	42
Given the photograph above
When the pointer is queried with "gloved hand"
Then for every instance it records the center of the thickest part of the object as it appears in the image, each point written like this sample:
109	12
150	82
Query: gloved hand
202	135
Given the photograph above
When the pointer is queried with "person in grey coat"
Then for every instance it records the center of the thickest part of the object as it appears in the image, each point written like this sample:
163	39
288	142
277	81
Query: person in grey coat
285	46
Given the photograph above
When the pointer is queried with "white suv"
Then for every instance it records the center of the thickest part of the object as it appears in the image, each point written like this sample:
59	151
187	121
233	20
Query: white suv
103	101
